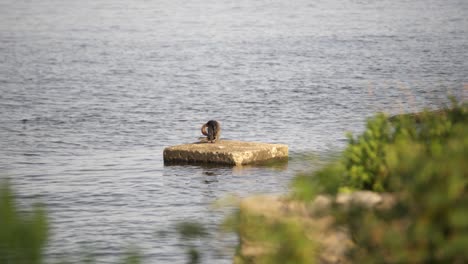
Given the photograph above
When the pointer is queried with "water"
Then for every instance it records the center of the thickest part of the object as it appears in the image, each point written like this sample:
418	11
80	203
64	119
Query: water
92	92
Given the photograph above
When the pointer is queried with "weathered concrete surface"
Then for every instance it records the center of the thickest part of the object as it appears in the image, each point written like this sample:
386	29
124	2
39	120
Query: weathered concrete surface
228	152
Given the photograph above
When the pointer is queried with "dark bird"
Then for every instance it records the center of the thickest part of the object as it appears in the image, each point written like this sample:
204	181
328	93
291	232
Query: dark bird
214	131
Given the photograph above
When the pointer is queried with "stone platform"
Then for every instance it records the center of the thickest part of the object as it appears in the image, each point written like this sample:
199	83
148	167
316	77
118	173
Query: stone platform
226	152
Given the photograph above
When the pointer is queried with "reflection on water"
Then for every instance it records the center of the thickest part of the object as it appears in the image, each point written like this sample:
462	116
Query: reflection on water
92	91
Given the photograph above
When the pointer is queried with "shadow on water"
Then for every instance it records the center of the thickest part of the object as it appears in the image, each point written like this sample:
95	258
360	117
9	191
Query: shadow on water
280	164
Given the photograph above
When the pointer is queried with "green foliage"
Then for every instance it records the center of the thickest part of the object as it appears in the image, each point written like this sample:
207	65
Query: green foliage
421	158
22	235
364	163
326	180
366	157
193	256
282	240
189	230
131	257
429	223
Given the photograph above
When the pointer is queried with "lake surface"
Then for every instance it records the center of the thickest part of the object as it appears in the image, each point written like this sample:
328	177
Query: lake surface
92	91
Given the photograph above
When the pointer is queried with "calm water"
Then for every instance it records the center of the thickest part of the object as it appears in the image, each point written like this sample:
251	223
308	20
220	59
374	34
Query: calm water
92	91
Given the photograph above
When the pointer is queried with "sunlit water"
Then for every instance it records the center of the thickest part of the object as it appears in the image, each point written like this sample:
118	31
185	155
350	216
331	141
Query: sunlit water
92	92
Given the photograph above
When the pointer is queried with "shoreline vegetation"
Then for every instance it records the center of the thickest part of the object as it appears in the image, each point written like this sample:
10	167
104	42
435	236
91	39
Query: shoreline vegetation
24	234
398	193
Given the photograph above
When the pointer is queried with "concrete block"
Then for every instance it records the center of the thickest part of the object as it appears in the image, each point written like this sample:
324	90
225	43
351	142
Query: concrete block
226	152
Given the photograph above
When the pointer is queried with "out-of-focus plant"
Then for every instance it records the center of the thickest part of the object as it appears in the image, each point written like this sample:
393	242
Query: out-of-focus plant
131	257
188	231
326	180
421	159
365	158
429	222
272	239
22	235
364	164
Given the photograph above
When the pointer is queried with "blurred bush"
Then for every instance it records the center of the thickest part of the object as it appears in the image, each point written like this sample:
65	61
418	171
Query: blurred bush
364	164
366	157
189	231
421	159
268	236
22	235
429	223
